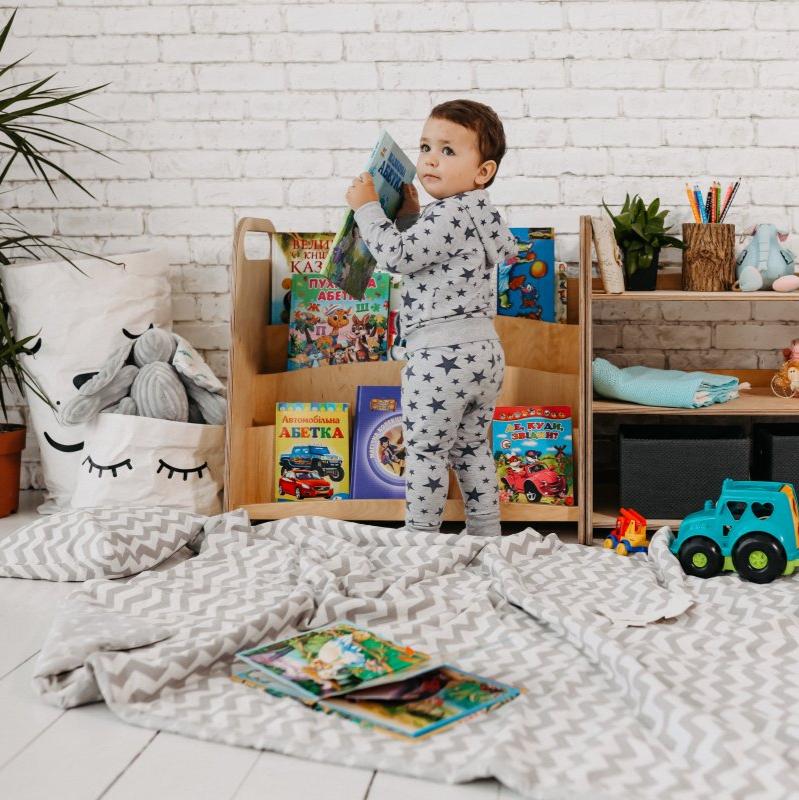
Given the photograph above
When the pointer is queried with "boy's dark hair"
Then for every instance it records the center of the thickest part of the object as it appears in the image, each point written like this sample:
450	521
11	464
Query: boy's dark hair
481	119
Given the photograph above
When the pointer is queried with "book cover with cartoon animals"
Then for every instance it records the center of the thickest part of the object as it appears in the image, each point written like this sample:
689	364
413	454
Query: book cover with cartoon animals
294	252
333	660
532	448
349	263
527	285
312	451
329	326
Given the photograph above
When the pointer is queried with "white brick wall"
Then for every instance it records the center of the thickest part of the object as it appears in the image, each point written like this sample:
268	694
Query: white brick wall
228	108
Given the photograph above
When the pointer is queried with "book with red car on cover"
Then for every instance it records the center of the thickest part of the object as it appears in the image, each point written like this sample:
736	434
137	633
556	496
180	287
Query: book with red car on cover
532	448
312	451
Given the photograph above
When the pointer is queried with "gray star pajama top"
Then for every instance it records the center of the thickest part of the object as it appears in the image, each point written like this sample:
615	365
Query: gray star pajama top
447	258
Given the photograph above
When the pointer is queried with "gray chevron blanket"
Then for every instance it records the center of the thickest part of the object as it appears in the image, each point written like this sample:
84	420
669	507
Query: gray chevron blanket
638	682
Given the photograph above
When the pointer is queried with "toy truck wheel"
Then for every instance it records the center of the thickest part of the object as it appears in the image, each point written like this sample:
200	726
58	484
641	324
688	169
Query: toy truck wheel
610	543
337	474
701	557
759	558
621	549
530	492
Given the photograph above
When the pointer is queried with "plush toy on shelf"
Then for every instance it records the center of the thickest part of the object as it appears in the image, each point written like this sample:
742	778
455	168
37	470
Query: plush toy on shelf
629	535
764	263
785	382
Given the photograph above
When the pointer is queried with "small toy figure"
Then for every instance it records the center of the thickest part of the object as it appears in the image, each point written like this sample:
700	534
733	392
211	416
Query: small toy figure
785	382
629	535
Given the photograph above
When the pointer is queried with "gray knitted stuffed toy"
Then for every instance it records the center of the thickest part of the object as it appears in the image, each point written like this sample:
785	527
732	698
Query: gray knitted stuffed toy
167	379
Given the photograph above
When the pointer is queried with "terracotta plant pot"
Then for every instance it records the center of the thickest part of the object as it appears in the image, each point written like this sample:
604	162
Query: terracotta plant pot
12	443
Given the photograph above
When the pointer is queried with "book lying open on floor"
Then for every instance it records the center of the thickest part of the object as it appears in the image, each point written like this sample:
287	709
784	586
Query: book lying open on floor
361	676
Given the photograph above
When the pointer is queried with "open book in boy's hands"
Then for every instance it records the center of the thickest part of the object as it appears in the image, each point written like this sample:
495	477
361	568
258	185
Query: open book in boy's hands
349	263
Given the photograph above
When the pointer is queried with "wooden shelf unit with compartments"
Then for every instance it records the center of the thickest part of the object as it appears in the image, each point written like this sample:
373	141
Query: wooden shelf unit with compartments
600	502
543	367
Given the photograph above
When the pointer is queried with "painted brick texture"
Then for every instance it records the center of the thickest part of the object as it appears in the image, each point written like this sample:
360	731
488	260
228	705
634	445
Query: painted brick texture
225	109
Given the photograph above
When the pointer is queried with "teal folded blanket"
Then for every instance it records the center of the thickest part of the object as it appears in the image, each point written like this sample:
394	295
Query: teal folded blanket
662	387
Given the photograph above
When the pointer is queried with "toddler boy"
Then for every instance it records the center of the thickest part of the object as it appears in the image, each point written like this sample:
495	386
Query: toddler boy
448	259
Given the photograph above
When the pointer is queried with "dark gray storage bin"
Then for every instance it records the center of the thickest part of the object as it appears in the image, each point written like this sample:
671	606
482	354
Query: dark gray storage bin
776	453
669	471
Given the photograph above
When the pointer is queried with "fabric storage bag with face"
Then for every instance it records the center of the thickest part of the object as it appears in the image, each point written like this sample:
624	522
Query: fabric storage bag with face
142	461
80	319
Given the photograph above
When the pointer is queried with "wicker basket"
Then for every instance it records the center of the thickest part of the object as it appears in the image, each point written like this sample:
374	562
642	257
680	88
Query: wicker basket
608	255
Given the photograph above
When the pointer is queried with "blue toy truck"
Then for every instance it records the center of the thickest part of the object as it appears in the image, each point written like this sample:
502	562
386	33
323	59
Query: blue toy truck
313	457
753	528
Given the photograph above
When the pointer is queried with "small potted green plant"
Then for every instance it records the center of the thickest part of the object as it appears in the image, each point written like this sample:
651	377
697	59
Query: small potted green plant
27	111
640	232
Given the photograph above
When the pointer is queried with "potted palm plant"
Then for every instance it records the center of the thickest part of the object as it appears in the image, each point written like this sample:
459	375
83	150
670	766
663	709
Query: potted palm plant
28	110
640	232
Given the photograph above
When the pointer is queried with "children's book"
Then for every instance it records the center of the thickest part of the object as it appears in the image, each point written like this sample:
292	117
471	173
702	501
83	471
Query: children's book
333	660
532	448
378	444
329	326
294	252
527	283
350	264
312	447
370	680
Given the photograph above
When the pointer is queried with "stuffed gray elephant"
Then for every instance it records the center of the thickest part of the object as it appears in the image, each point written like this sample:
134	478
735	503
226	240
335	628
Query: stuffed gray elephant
164	376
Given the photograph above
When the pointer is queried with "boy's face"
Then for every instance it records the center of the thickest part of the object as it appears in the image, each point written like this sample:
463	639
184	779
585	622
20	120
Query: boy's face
449	159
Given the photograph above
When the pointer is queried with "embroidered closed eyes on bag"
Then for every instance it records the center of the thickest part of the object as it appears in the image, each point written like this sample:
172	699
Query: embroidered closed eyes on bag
142	461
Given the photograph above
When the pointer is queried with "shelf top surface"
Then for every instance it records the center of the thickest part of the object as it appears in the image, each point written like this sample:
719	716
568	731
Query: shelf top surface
757	401
679	295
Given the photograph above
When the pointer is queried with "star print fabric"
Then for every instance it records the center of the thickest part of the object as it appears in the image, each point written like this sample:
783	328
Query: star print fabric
448	262
448	400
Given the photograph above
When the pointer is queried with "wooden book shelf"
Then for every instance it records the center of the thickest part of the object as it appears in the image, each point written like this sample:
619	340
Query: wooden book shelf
600	496
543	367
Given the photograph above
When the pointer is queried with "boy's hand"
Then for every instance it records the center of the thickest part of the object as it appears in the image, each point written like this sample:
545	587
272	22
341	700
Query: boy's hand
361	191
410	200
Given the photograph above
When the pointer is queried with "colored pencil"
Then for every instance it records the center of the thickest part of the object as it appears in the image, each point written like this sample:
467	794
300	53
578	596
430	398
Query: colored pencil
700	202
732	197
726	200
692	203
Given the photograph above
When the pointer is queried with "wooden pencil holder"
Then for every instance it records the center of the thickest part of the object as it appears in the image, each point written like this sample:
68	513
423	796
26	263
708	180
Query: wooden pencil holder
708	260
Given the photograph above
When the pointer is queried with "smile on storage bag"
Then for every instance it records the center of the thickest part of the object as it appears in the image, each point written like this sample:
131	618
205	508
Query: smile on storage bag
142	461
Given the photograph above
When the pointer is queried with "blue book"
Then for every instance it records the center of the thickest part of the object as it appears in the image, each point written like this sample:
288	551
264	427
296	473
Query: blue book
527	284
349	263
378	445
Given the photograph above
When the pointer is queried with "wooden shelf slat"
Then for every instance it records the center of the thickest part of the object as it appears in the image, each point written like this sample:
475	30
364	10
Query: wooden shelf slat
388	510
758	401
679	295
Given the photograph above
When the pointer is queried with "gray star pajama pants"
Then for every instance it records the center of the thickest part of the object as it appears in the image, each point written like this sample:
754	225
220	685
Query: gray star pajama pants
448	399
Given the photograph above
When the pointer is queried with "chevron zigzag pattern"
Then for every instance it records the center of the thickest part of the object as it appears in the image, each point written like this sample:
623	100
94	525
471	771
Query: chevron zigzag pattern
638	681
96	543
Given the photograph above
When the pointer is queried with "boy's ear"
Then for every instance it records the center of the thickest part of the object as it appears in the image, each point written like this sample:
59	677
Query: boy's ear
486	171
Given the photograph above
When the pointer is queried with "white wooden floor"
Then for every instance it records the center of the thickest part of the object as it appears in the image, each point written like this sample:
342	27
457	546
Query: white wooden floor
86	753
